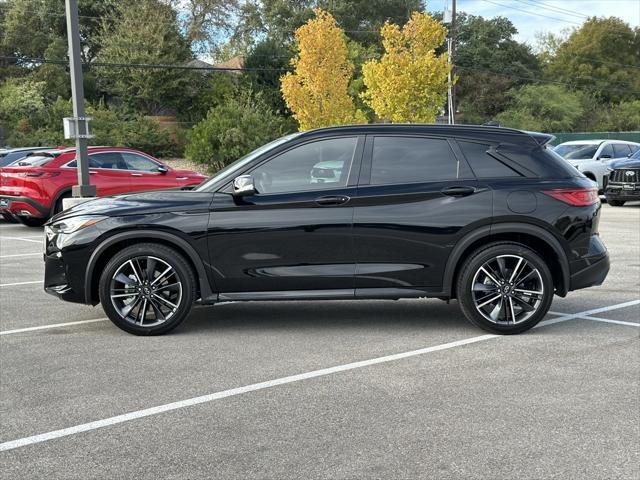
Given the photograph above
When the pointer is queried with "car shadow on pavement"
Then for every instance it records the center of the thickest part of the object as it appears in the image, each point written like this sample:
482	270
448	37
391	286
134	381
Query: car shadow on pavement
324	315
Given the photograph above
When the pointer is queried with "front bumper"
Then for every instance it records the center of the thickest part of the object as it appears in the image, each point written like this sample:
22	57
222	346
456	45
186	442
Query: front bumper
58	280
623	191
22	206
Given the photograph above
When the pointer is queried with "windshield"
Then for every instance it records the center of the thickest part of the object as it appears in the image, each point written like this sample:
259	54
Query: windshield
636	156
577	151
241	162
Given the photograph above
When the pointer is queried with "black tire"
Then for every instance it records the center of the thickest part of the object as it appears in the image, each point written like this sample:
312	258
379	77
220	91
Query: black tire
9	218
58	206
32	221
142	255
615	203
474	288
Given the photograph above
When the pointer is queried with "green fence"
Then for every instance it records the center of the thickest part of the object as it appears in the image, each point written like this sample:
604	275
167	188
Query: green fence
566	137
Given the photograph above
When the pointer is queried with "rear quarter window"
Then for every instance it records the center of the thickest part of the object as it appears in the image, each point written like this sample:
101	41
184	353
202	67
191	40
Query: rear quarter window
483	164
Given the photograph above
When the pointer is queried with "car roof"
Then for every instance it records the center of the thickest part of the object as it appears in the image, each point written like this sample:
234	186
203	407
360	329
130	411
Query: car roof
472	131
24	149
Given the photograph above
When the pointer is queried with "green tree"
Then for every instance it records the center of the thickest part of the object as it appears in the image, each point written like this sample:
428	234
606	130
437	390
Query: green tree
361	19
601	55
231	130
265	63
622	117
146	33
489	62
29	27
543	108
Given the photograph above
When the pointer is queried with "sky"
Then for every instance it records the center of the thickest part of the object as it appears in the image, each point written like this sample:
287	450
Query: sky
533	16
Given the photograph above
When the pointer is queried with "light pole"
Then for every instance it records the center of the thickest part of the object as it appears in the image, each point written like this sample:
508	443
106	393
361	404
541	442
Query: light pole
77	127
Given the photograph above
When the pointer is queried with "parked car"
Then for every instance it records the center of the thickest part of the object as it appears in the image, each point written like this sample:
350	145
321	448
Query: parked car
592	157
32	189
11	155
624	181
482	214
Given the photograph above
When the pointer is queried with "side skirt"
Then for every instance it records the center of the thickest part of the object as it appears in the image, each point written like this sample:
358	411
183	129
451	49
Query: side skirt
336	294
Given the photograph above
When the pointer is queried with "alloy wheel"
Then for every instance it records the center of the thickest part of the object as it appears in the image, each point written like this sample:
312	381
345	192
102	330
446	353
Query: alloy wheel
507	289
145	291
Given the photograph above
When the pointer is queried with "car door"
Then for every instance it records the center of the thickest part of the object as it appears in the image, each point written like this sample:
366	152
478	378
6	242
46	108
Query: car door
294	233
108	173
147	174
415	199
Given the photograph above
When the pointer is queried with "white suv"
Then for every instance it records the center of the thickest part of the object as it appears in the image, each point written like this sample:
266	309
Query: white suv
592	157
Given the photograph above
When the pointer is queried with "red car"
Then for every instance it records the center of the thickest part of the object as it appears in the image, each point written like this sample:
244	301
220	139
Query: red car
33	188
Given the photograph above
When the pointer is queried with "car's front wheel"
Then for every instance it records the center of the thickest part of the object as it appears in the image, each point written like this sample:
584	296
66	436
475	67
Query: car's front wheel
147	289
505	288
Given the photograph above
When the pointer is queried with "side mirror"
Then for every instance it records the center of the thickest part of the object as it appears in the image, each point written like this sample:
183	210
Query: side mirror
162	169
243	185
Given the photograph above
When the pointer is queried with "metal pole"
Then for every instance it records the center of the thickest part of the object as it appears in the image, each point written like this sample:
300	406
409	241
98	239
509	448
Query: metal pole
453	58
83	189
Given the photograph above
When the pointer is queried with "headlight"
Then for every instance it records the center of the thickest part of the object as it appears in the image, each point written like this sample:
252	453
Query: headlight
73	224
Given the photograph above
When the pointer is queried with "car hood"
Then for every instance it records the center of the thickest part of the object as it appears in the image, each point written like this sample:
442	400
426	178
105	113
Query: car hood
142	204
626	163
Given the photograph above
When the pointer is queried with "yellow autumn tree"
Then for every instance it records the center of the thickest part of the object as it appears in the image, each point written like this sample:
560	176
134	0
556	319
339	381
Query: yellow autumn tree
409	83
316	92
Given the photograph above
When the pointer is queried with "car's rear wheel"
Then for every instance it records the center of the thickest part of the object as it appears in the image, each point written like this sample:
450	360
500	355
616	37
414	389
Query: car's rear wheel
615	203
32	221
147	289
505	288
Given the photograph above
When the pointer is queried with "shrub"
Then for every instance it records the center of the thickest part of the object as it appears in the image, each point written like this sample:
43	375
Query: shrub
231	130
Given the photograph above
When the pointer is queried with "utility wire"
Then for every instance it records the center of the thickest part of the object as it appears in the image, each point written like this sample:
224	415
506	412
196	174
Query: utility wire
244	69
553	8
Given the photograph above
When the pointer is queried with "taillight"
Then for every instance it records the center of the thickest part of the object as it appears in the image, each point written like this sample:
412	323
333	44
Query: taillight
40	174
579	197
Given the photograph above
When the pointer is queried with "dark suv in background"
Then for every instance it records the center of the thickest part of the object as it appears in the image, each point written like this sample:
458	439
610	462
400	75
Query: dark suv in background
486	215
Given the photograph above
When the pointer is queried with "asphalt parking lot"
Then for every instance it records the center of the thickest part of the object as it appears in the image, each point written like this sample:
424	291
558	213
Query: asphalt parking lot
368	389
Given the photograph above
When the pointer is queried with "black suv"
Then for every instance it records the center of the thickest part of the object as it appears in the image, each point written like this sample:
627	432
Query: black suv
486	215
624	181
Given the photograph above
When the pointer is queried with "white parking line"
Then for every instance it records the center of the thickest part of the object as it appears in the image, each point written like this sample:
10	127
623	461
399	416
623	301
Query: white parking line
55	325
24	239
85	427
22	255
607	320
20	283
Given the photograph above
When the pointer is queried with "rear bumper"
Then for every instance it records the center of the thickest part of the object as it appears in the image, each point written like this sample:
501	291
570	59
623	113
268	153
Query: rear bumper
22	206
592	275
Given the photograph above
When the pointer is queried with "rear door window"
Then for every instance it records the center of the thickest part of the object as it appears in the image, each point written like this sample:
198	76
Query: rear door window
483	164
106	160
397	160
621	150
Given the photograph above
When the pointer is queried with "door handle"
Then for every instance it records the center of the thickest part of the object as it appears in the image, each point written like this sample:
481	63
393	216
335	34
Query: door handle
332	200
136	174
92	173
461	191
